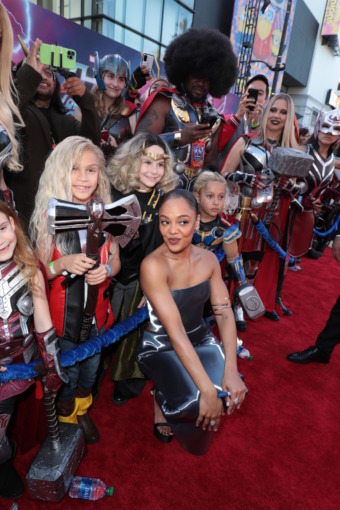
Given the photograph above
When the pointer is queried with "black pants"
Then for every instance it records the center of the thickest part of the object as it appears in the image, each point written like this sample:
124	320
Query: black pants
330	335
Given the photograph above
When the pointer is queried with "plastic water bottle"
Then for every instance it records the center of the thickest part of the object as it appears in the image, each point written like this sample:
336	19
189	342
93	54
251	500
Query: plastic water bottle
242	352
89	488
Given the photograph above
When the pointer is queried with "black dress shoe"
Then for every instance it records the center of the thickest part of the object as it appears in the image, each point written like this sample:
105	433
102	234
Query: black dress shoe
118	398
273	316
309	355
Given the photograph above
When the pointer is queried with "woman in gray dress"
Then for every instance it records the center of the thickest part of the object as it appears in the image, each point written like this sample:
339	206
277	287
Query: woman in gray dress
187	364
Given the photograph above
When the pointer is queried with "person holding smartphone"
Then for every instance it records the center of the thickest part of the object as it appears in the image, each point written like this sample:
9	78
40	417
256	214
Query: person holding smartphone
183	115
248	116
46	124
114	94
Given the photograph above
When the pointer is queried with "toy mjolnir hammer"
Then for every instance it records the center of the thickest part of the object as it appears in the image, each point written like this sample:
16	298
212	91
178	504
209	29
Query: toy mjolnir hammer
52	469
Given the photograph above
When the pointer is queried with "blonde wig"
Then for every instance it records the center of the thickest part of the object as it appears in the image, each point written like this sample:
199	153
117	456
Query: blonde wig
8	108
55	181
23	254
288	138
205	177
123	168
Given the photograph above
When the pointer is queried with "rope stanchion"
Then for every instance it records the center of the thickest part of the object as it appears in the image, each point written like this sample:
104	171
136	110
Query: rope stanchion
262	230
22	371
329	231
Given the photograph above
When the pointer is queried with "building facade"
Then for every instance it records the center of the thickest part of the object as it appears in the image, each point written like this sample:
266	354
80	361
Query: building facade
144	25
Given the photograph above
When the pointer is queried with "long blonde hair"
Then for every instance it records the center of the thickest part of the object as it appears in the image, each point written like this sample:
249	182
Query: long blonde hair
288	138
55	181
8	108
123	168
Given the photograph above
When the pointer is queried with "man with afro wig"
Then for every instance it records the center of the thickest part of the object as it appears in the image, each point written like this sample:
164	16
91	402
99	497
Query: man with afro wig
198	62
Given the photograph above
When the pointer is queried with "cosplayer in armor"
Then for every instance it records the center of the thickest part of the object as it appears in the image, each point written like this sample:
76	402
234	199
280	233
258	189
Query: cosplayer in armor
198	63
117	116
75	171
322	171
22	299
320	177
219	233
267	198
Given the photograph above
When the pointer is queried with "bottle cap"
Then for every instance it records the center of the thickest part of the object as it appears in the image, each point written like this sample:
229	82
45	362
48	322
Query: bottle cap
109	491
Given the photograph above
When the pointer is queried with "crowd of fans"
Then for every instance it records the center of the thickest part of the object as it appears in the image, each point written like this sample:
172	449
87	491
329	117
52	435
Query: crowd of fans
116	147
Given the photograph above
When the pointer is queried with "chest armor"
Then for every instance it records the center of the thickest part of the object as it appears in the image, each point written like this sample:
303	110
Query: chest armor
181	113
321	173
254	158
119	127
16	314
209	236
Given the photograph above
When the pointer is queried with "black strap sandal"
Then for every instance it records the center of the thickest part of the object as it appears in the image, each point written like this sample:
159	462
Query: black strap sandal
163	438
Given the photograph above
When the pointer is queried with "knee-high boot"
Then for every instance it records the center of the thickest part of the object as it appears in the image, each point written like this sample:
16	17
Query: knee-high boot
67	411
83	403
280	281
11	485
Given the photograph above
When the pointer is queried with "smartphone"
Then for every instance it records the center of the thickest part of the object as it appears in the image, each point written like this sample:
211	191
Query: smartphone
253	94
148	60
208	118
57	56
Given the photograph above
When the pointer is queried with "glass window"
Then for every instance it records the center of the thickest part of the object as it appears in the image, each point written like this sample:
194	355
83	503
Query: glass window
163	50
184	21
170	21
109	8
119	34
108	29
87	8
75	9
119	11
133	40
153	18
150	47
135	14
88	24
189	3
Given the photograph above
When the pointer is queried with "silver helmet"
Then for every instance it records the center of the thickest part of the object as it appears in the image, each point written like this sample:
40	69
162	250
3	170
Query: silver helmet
327	122
116	65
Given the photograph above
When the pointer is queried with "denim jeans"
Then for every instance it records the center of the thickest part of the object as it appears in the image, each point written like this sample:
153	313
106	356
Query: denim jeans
82	374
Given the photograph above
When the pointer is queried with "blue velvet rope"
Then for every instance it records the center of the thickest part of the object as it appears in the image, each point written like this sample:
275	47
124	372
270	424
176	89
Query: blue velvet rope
83	351
330	230
263	231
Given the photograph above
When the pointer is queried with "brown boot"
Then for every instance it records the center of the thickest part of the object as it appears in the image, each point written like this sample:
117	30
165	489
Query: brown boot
67	411
83	403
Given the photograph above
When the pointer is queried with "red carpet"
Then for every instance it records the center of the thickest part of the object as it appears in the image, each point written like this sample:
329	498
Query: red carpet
280	451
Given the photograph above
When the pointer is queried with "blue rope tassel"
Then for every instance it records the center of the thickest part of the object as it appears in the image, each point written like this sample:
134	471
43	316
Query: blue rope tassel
83	351
329	231
270	241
